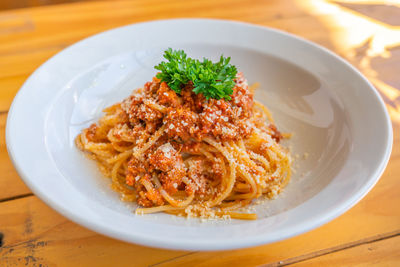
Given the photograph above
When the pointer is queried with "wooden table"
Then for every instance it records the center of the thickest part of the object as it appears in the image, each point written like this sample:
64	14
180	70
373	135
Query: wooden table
368	35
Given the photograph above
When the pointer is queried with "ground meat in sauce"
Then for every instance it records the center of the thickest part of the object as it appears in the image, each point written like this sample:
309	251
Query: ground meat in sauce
167	97
188	119
275	134
153	195
164	157
182	124
198	176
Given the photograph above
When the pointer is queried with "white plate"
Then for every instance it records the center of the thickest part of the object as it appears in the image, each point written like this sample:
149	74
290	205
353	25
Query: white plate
337	117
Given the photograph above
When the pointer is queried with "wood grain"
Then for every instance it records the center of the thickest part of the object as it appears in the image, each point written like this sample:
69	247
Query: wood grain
381	253
10	183
34	234
12	4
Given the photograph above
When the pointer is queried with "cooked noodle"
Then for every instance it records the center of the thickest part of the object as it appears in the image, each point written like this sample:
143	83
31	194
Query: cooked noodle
188	156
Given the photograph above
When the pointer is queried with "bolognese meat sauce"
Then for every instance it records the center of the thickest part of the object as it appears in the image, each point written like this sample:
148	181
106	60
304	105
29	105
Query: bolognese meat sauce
187	118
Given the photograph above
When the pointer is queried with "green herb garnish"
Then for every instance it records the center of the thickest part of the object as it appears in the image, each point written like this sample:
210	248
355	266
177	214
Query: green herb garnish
213	80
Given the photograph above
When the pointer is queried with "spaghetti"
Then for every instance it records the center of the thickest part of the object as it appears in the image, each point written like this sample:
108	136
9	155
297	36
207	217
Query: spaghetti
188	155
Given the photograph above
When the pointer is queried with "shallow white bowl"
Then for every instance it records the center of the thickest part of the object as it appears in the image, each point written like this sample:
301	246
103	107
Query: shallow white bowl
337	117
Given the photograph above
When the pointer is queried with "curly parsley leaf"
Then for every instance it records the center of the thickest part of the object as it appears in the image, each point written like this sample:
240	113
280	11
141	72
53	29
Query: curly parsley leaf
213	80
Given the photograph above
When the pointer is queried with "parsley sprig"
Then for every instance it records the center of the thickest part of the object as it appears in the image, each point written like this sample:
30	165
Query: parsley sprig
213	80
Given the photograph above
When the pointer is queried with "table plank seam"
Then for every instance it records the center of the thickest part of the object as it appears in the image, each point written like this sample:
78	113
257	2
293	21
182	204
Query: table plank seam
334	249
311	255
15	197
174	258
